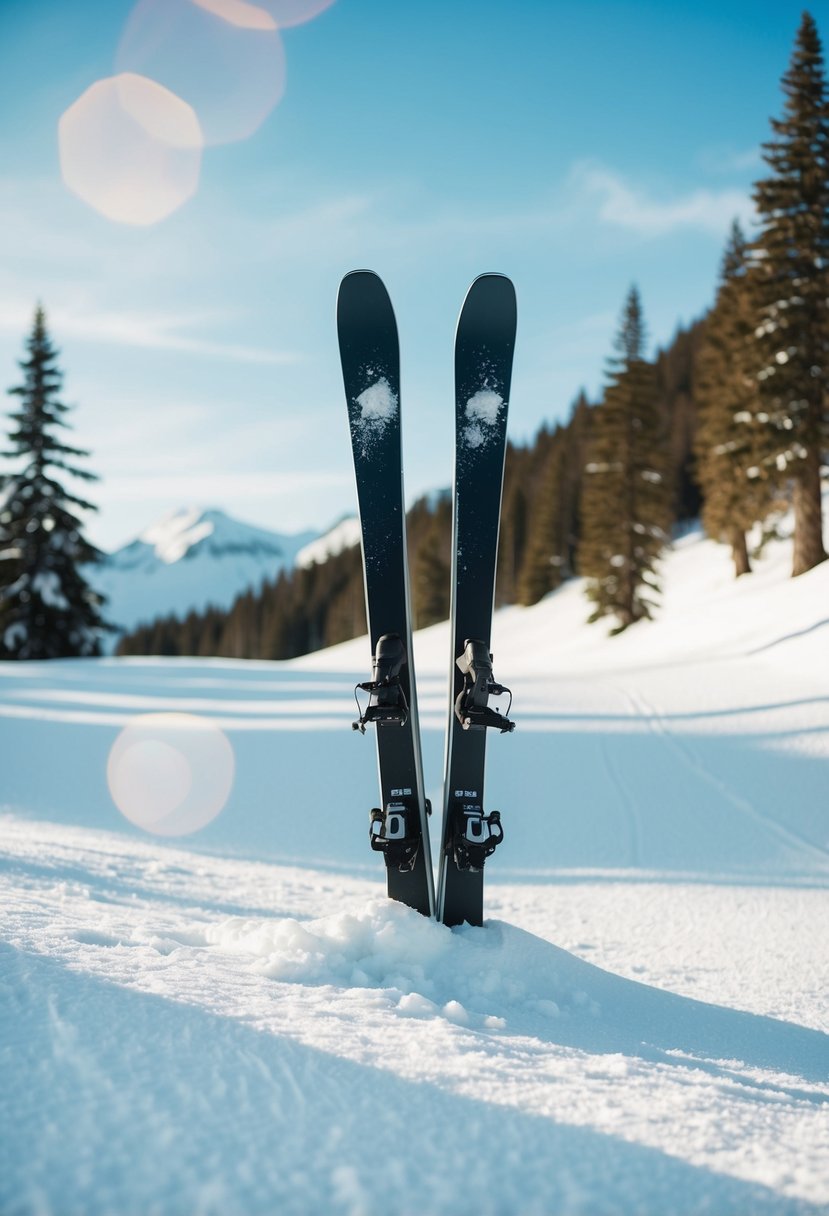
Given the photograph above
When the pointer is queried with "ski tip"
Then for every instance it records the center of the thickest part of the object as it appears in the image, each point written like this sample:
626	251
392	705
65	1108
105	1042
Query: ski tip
492	287
362	281
491	298
360	274
492	281
362	288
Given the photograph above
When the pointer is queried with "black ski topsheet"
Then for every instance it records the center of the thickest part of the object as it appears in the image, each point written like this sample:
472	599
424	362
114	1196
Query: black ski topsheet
484	345
371	374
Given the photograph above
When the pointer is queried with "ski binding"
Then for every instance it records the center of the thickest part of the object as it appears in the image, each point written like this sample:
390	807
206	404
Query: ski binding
386	701
391	834
476	835
472	707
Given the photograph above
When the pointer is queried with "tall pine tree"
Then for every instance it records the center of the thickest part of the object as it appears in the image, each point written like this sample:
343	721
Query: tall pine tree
47	608
737	488
626	496
792	289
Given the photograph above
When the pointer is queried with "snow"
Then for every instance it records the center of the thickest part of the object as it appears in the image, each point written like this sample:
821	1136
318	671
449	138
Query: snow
378	403
482	410
344	535
378	408
239	1021
176	532
484	406
47	584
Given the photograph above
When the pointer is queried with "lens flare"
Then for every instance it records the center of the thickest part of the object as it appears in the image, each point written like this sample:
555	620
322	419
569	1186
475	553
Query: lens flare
294	12
239	12
131	149
170	773
223	57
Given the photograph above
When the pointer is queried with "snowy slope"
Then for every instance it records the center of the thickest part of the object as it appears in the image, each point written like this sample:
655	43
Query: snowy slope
190	559
239	1022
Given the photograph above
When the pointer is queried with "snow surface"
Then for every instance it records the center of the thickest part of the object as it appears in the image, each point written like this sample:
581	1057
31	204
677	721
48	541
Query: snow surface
240	1022
190	559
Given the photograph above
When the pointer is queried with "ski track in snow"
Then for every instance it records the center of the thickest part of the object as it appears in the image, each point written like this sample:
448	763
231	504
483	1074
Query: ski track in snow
656	722
240	1022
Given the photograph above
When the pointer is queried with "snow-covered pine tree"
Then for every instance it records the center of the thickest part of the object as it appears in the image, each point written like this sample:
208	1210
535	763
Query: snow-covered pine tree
791	255
738	490
47	608
626	496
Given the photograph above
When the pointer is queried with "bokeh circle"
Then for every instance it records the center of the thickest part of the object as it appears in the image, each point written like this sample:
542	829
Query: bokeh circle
170	773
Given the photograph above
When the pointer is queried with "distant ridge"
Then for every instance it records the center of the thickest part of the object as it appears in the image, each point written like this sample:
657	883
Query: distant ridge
190	559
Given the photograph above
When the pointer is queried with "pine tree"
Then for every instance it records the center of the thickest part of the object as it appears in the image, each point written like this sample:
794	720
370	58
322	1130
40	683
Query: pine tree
625	502
792	289
429	541
576	443
431	575
512	536
543	567
47	608
737	491
676	368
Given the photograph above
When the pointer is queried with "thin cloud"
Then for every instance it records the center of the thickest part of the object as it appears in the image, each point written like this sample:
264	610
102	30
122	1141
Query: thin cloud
214	486
625	206
135	329
719	159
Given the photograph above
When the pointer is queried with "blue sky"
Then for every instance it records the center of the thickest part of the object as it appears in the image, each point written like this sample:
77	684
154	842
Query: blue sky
577	147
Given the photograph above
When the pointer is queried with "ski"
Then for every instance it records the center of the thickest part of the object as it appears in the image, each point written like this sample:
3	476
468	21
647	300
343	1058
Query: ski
483	366
369	352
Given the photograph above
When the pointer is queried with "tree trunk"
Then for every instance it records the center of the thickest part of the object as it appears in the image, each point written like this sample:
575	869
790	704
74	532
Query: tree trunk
808	517
739	552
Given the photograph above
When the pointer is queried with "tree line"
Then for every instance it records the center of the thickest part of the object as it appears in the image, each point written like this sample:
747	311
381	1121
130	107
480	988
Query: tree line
731	419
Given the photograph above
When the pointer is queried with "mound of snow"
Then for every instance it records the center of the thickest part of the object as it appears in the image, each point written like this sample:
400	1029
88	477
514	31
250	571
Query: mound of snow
471	976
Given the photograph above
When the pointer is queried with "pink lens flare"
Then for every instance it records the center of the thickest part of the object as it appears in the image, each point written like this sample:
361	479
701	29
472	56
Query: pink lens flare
131	149
223	57
170	773
294	12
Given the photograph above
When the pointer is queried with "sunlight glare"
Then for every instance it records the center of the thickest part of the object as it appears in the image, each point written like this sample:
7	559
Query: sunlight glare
239	12
223	57
130	149
170	773
294	12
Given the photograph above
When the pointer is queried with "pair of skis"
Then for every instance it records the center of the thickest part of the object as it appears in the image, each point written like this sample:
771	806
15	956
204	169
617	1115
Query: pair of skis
399	827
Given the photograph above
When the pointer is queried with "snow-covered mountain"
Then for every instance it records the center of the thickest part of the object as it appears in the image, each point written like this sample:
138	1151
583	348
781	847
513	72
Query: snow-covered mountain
189	559
344	534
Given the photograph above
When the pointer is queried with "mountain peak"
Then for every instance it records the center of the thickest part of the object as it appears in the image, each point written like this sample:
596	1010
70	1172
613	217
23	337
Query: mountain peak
190	558
177	531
